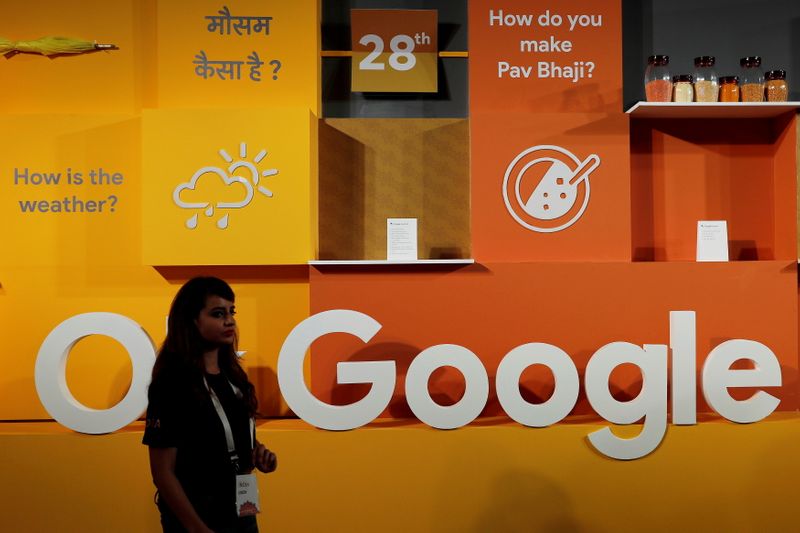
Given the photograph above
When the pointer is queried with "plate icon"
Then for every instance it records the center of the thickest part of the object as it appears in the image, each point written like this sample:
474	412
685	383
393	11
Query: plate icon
561	195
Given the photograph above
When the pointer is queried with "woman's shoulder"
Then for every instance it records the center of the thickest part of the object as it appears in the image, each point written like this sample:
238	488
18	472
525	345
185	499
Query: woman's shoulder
171	380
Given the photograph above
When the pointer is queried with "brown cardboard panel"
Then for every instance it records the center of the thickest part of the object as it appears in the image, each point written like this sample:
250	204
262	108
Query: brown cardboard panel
374	169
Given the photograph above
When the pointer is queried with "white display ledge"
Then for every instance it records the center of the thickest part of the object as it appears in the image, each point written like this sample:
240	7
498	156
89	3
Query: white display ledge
712	109
370	262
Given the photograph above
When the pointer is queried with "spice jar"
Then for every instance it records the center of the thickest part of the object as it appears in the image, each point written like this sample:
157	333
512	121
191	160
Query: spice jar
706	85
682	90
729	89
777	89
657	80
752	83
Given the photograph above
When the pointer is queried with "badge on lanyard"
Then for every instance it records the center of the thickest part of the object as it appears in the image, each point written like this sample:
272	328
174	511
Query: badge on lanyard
247	503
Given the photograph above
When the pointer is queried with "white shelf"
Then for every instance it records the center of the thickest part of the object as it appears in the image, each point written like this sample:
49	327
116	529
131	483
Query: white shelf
370	262
712	109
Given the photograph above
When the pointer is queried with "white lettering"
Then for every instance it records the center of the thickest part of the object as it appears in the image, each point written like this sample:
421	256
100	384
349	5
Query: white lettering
718	377
584	21
650	404
682	342
573	72
551	45
476	392
51	380
502	19
546	19
565	375
381	374
513	71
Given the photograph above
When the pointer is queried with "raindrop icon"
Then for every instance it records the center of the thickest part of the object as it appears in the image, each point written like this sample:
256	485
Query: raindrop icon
223	222
210	211
192	222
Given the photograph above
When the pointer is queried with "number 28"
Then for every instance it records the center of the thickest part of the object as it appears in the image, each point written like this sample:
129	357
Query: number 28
402	57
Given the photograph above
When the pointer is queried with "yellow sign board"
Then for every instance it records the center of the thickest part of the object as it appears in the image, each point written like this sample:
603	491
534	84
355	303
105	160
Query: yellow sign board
233	187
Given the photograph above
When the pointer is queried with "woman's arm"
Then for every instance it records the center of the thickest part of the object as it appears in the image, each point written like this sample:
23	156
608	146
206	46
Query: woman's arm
162	468
264	459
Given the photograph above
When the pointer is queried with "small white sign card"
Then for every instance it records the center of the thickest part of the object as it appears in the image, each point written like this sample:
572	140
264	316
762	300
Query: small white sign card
712	240
401	239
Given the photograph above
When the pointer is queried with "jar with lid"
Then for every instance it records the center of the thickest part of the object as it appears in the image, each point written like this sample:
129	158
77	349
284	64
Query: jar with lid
777	89
729	89
682	88
706	84
657	80
752	79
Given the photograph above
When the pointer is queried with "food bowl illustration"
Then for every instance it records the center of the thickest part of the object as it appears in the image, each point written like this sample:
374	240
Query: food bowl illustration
564	182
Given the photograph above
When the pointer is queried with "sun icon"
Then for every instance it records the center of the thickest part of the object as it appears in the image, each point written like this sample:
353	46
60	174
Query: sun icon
251	182
254	174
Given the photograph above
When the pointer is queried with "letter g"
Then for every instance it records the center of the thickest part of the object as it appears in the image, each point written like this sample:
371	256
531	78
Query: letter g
381	374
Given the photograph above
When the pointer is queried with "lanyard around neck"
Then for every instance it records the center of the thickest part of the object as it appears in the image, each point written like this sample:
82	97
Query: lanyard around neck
226	426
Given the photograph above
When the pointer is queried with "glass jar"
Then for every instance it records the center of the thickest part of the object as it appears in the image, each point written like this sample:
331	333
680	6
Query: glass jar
682	89
777	89
706	84
752	79
657	80
729	89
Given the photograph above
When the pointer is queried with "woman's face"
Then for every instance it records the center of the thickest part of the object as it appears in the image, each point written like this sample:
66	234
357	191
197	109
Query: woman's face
215	323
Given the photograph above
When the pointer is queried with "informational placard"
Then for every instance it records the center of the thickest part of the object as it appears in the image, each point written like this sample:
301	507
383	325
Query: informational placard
401	239
394	50
712	240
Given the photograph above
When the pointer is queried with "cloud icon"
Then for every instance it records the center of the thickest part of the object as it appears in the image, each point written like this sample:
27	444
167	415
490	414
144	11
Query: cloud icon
228	180
250	182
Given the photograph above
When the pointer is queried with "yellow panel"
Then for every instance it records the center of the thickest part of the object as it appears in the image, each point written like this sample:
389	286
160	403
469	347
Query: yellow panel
716	476
246	181
35	300
374	169
61	146
293	40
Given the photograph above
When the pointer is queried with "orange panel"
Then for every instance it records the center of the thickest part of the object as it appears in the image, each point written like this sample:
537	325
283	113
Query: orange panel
579	307
741	171
596	49
601	233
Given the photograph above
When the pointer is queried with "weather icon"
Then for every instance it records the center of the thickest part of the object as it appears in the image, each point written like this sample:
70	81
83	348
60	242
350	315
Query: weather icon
249	184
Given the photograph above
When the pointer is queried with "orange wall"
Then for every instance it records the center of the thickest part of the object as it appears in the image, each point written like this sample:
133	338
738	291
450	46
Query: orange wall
579	307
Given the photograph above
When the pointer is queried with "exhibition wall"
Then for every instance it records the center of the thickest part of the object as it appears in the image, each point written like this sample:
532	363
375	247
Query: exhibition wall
196	149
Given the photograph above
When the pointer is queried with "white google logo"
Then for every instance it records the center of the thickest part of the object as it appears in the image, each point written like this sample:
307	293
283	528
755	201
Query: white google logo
650	406
557	192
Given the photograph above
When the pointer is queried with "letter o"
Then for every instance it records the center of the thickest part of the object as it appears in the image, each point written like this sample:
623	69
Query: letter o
51	379
565	376
476	392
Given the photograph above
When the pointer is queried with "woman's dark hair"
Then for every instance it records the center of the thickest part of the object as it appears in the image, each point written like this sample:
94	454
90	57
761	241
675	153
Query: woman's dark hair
181	354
